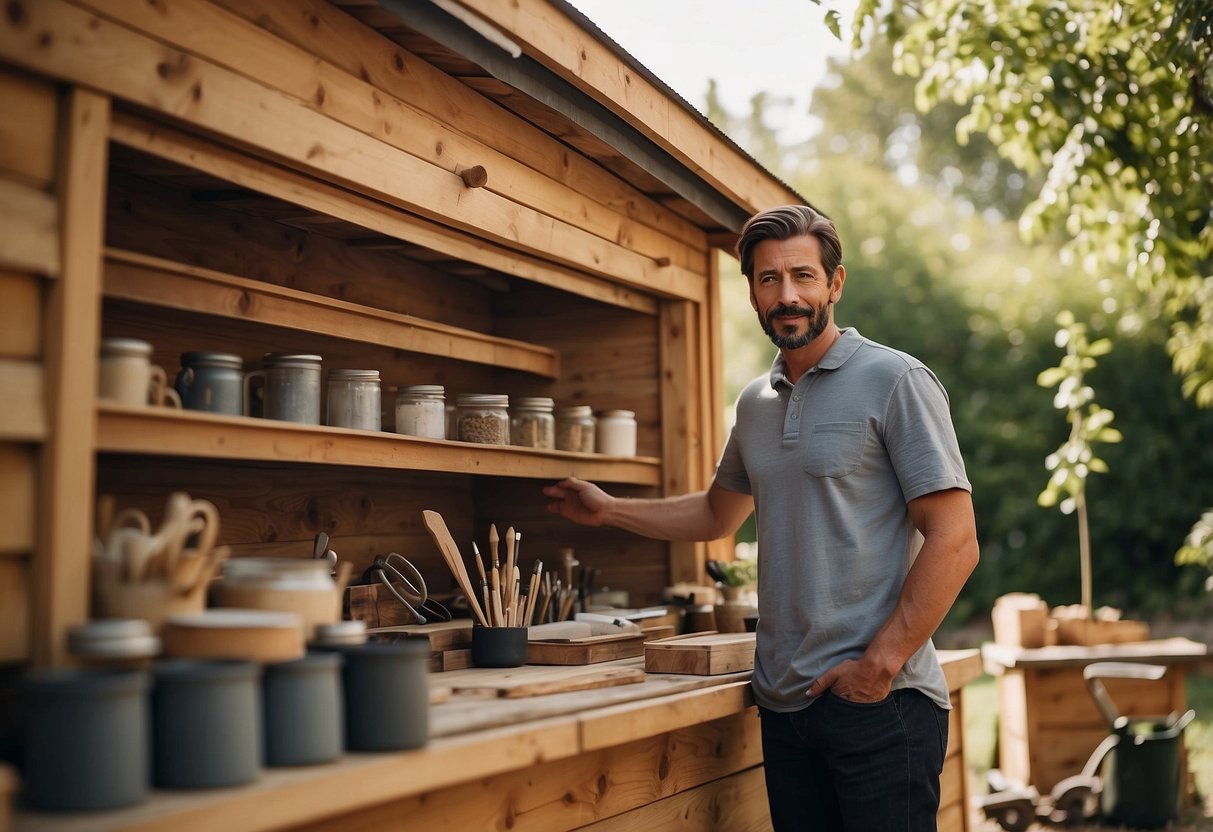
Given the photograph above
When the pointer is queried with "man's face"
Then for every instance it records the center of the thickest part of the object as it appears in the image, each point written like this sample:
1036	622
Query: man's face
791	292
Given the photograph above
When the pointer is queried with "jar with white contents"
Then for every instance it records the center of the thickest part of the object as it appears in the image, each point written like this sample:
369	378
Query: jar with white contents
616	434
421	411
353	399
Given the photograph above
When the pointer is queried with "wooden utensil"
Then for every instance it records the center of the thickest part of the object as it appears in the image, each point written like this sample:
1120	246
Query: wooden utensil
441	535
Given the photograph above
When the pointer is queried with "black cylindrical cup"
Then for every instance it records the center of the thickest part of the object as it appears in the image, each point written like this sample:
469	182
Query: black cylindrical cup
86	739
499	646
206	723
303	710
386	696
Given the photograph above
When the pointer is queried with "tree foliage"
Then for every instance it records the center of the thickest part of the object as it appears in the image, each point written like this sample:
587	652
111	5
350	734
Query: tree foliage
1110	103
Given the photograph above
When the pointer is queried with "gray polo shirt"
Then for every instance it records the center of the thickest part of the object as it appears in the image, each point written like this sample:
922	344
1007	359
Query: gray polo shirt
831	463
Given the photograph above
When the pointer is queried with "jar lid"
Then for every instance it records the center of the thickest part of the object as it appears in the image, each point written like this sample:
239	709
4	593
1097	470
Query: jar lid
353	375
125	346
281	359
619	414
422	390
267	568
340	633
580	411
114	638
212	359
482	400
534	403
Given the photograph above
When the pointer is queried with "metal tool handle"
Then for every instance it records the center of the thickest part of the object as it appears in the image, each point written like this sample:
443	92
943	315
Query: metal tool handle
1097	671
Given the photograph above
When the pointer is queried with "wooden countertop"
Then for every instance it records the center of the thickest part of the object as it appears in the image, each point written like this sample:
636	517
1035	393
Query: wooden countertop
999	657
472	736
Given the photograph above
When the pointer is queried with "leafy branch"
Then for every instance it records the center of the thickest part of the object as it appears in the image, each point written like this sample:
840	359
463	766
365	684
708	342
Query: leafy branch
1075	459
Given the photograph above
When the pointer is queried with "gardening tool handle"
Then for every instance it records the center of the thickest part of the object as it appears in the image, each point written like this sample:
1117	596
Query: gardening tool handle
1096	671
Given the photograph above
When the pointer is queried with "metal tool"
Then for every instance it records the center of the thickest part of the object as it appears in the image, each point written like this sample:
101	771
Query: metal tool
404	581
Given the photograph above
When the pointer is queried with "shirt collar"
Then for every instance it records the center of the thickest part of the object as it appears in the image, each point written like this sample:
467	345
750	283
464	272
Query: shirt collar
849	340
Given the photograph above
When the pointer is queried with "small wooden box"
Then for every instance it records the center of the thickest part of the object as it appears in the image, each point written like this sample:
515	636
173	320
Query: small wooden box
703	654
588	650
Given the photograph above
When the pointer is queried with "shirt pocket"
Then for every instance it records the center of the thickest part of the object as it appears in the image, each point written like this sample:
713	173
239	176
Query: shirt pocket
835	449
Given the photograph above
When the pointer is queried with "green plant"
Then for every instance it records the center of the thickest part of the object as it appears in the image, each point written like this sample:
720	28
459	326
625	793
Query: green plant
740	572
1198	546
1089	423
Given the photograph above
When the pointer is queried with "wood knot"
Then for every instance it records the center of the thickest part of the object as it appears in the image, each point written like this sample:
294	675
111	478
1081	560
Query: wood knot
661	262
475	176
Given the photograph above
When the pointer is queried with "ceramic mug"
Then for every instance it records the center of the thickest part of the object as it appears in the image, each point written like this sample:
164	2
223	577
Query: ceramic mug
126	374
212	381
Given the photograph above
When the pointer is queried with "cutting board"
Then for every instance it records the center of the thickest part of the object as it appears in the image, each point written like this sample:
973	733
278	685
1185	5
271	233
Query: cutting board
703	654
518	682
587	650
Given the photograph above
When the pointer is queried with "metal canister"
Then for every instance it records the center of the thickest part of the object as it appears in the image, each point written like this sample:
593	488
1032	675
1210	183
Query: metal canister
353	399
292	388
212	381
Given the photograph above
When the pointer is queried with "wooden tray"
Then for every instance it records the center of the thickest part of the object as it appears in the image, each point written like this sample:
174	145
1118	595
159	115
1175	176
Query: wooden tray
445	635
518	682
587	650
703	654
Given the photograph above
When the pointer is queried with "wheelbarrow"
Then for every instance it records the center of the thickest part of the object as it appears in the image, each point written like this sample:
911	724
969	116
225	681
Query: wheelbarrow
1132	778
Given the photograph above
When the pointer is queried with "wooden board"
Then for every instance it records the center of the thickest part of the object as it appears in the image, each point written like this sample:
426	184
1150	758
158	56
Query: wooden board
519	682
443	635
588	650
705	654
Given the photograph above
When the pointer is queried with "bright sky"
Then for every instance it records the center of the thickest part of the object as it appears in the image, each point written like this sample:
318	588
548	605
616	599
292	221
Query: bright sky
747	46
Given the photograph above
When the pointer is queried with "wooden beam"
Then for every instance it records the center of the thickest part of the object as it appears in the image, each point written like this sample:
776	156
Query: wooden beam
682	421
20	315
27	131
737	801
60	592
23	416
18	492
231	41
605	727
66	42
161	282
574	54
328	199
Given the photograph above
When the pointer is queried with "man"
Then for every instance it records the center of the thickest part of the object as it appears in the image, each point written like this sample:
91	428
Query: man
847	453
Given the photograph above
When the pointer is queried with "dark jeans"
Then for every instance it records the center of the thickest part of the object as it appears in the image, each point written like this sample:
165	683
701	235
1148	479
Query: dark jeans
840	765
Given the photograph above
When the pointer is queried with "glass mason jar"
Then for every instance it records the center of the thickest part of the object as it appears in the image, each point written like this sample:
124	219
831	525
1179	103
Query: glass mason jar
616	434
421	411
532	424
353	399
484	418
575	429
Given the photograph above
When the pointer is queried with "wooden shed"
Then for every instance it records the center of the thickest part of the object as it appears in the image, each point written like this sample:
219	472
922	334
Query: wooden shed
489	196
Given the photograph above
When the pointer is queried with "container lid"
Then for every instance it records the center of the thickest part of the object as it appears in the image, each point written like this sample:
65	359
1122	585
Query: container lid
340	632
125	346
422	390
534	403
211	669
482	400
619	414
580	411
353	375
212	359
81	681
282	359
114	638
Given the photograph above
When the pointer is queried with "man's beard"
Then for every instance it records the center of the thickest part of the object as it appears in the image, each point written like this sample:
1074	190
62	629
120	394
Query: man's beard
816	324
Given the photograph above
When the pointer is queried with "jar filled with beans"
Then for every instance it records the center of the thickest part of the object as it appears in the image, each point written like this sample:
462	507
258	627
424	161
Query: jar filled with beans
483	418
575	429
532	424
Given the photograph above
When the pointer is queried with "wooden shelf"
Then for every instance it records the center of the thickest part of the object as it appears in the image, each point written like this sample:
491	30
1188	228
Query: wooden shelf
189	433
160	282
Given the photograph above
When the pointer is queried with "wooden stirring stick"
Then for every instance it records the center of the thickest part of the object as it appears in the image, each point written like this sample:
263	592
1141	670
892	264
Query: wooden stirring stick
441	535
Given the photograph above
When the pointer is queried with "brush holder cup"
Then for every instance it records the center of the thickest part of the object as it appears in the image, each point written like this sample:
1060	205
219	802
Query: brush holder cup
499	646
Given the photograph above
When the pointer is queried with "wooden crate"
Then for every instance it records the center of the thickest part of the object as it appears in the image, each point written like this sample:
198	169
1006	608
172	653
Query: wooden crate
704	654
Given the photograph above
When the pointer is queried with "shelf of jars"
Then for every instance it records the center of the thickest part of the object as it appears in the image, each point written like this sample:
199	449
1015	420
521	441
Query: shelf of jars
153	280
165	431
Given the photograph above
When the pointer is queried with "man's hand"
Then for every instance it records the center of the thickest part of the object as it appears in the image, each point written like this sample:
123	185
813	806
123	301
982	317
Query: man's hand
579	501
854	680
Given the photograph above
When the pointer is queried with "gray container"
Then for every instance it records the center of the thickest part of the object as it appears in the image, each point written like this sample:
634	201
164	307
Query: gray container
206	723
212	381
86	739
304	713
386	696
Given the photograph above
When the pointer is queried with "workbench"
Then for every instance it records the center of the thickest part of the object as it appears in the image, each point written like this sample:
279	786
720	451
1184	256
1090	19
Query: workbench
674	751
1048	722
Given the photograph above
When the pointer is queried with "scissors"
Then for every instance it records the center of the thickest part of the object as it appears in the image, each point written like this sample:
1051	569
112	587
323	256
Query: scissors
405	582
